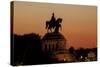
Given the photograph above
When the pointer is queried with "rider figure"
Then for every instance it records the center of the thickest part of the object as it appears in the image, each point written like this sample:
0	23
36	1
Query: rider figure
52	21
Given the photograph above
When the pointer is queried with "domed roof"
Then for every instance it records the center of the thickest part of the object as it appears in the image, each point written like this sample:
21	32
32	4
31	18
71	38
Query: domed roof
49	36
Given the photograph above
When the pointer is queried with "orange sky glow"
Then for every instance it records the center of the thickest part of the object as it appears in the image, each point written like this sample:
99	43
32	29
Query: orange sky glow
79	25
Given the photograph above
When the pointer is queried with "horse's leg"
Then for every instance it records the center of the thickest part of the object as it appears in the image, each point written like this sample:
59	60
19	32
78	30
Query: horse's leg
51	30
46	25
47	30
60	27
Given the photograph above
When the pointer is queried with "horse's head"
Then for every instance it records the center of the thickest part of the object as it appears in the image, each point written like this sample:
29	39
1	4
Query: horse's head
59	20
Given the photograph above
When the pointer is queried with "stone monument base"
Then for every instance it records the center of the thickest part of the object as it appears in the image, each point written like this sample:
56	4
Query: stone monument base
55	45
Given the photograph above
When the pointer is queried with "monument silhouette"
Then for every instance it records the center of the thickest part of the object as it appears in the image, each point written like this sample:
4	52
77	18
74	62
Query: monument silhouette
31	49
54	43
53	24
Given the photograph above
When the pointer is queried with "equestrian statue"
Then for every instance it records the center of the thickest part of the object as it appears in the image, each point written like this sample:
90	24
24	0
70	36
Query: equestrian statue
54	24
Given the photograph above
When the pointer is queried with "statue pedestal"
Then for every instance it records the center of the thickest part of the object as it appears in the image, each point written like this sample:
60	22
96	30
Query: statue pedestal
55	45
52	42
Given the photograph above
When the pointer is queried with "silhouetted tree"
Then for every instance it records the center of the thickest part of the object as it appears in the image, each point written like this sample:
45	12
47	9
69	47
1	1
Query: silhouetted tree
71	50
26	49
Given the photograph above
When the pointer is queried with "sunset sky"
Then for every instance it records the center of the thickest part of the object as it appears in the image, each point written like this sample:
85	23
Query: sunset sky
79	25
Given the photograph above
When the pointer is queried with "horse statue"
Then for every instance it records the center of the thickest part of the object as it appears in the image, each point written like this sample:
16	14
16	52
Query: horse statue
53	24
